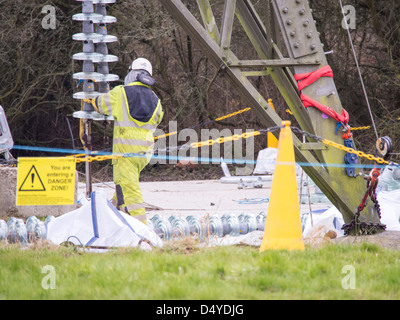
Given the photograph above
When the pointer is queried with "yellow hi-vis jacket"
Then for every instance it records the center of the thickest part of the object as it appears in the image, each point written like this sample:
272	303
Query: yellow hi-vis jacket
137	112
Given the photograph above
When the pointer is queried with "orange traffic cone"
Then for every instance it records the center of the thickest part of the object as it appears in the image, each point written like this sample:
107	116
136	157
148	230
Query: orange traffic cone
283	224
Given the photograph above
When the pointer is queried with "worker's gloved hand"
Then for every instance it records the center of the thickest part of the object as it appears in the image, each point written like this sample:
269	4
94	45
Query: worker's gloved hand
90	101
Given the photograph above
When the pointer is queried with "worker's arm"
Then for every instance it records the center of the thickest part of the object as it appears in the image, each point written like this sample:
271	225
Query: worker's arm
161	115
108	102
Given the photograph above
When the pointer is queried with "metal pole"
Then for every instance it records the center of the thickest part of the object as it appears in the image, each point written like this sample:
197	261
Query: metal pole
87	163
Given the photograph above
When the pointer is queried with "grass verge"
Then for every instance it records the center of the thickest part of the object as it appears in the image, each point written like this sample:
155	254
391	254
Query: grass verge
185	271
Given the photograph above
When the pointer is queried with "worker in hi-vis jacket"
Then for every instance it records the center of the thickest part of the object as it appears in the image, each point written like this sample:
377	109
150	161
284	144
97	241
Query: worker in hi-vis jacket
137	112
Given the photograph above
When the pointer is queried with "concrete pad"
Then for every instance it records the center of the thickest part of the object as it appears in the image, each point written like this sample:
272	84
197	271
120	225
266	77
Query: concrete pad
202	197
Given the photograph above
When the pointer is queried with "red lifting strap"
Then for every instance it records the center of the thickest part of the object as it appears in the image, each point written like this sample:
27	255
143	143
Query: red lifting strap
305	79
308	102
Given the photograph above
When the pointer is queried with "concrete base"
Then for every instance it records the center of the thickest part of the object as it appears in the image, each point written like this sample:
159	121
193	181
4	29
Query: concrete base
8	207
203	197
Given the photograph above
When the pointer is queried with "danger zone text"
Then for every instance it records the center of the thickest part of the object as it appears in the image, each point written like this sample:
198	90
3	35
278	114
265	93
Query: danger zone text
59	180
46	181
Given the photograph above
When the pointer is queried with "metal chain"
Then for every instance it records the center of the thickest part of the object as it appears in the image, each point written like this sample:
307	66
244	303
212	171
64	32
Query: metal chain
205	123
82	158
365	228
361	228
246	135
233	114
360	128
341	147
235	137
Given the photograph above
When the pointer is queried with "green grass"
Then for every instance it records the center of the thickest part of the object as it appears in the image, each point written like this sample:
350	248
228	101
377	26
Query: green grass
184	271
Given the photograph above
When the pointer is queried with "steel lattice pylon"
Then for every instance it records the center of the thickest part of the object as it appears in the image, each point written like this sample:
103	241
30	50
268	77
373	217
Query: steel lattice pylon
286	26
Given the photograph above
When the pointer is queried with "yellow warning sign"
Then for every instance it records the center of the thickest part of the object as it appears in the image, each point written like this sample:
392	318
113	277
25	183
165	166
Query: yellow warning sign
46	181
32	182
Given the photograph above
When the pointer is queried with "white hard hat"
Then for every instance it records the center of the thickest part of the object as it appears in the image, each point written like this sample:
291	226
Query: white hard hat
142	64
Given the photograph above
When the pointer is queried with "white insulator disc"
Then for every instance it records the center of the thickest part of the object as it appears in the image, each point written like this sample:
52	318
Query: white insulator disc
87	37
85	95
93	56
94	17
106	38
109	77
95	76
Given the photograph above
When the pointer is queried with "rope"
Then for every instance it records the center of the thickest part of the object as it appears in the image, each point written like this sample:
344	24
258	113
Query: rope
108	155
252	201
359	70
245	136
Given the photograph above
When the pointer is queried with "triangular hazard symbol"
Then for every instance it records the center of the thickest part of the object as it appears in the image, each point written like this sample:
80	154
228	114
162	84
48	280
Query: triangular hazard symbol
32	182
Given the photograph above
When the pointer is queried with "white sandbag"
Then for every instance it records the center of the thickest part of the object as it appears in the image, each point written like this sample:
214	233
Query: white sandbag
331	219
266	161
99	223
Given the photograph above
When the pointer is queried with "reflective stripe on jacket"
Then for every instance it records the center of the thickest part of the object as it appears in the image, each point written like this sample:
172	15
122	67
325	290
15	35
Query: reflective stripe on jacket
137	111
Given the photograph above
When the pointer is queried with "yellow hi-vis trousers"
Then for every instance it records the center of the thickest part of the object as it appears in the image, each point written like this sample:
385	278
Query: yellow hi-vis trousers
126	172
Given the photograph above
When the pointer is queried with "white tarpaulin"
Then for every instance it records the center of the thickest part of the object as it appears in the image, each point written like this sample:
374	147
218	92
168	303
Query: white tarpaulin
266	161
324	221
389	202
331	219
99	223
